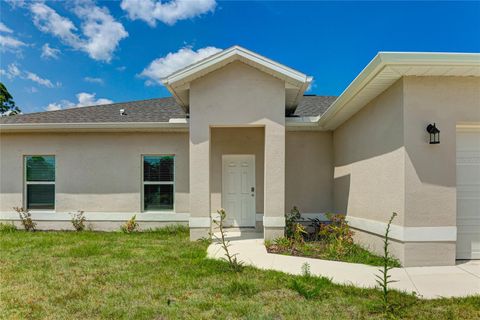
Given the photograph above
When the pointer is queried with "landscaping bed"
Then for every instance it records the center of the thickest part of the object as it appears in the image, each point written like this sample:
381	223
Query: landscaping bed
321	250
330	239
163	275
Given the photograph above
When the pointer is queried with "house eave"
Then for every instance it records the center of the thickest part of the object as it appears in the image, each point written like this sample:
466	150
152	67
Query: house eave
388	67
180	125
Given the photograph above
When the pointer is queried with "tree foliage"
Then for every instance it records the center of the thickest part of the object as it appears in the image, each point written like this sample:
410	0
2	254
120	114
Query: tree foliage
7	105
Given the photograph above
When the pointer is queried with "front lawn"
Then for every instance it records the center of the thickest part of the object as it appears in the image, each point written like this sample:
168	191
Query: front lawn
162	275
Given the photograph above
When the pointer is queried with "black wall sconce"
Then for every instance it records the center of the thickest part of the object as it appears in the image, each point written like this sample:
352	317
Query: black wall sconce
434	133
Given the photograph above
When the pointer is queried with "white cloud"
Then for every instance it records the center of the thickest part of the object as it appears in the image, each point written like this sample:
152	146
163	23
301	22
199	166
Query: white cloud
4	28
94	80
167	12
162	67
10	43
84	99
35	78
100	32
49	52
14	71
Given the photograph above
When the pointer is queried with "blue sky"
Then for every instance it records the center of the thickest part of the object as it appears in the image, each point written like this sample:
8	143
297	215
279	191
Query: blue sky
64	54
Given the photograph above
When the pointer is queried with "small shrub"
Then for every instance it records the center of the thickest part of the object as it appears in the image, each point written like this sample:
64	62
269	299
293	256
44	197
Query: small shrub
131	225
337	235
239	287
290	220
26	219
306	270
298	233
383	280
232	260
78	221
7	227
309	286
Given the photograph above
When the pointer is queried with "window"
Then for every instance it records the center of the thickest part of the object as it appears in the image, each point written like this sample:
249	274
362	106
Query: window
158	183
40	182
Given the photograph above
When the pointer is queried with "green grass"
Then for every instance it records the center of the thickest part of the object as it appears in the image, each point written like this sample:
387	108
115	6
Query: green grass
162	275
320	250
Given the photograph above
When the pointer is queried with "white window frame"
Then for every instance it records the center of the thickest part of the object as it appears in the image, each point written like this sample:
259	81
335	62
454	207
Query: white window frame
26	183
143	182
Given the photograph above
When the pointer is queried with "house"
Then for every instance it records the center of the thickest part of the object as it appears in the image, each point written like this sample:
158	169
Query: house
240	133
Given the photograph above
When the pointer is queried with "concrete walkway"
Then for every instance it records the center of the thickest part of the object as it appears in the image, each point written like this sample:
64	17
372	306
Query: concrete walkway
428	282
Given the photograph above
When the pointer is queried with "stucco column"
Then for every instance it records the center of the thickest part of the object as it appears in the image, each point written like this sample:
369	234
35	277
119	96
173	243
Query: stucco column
274	200
200	220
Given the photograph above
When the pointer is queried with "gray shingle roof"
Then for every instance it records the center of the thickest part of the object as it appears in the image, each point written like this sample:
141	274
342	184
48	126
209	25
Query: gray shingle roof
153	110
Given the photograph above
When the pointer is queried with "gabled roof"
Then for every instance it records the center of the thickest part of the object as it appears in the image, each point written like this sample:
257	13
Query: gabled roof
385	69
144	114
178	83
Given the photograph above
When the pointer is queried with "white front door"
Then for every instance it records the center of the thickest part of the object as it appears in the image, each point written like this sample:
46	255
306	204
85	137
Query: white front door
468	195
238	189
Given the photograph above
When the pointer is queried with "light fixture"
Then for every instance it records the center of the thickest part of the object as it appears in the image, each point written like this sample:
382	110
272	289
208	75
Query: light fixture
434	133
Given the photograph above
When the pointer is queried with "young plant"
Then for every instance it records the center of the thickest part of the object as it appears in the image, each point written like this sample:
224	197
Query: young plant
290	221
383	280
26	219
298	232
337	235
78	220
232	260
131	225
7	227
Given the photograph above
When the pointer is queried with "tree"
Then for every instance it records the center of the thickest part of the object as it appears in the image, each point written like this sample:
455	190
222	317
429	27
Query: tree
7	105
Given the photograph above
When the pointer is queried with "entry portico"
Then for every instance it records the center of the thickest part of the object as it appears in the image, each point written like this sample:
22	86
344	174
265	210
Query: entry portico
237	89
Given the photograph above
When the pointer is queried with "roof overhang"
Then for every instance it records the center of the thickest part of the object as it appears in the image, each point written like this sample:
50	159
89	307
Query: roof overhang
296	82
385	69
178	125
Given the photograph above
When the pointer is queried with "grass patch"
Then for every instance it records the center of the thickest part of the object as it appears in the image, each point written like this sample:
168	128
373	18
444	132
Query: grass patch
321	250
162	275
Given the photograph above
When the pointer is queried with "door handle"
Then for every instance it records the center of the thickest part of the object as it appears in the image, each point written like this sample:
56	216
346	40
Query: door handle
252	189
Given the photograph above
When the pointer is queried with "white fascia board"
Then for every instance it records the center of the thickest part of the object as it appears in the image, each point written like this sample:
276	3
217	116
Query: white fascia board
430	58
353	88
175	124
384	59
234	53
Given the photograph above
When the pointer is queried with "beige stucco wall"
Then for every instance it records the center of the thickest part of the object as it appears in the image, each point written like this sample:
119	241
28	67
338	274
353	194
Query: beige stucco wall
236	141
430	172
369	160
384	162
309	171
97	172
237	95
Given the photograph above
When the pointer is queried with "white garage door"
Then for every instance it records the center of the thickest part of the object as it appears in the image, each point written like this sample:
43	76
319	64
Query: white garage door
468	195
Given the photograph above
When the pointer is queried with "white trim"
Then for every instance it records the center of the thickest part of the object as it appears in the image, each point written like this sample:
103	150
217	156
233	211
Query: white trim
100	216
405	234
386	68
199	222
178	82
97	126
274	222
234	52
